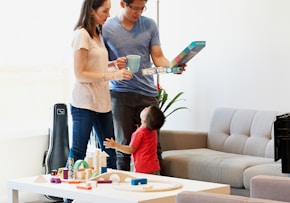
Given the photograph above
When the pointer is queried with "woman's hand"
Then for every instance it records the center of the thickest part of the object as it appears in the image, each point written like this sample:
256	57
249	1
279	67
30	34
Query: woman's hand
121	62
123	74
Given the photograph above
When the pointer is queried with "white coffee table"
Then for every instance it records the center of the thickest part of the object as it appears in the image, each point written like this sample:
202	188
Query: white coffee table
112	193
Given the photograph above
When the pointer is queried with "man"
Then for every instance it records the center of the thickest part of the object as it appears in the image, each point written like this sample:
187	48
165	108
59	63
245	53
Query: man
132	33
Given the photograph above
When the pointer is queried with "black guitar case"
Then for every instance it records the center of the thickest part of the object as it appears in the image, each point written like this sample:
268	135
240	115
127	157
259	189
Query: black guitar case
58	149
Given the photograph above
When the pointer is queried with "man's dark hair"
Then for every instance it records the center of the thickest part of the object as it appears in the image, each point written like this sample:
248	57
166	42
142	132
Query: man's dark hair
131	1
155	118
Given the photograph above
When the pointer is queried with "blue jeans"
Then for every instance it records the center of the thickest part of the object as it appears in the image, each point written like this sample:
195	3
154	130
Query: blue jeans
83	121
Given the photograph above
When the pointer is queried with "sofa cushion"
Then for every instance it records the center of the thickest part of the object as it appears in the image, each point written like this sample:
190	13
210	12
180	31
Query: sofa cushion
270	187
197	197
273	169
209	165
248	132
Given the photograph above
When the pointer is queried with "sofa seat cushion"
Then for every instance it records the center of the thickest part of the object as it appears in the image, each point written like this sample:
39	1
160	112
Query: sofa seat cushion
273	169
209	165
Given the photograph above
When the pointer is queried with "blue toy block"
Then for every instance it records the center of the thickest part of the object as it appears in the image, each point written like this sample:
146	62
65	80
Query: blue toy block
139	181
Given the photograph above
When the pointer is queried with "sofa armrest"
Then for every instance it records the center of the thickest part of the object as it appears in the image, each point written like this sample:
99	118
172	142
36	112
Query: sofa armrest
270	187
174	140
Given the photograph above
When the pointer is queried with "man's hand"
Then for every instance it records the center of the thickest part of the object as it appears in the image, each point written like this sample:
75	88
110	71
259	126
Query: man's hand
182	69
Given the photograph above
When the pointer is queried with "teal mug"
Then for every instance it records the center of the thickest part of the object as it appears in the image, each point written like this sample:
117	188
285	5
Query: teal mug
133	63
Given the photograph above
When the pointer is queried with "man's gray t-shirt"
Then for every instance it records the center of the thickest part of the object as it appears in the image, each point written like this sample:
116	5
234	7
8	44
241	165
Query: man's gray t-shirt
122	42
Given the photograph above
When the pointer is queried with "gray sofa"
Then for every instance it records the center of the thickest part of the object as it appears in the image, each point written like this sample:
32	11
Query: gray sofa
263	189
238	146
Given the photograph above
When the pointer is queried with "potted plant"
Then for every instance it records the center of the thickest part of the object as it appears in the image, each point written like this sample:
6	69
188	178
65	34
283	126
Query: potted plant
165	103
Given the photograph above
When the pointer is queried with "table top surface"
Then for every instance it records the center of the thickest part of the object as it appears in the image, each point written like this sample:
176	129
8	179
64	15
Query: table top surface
156	187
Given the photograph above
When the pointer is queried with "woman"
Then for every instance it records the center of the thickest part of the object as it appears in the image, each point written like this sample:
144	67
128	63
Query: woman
90	104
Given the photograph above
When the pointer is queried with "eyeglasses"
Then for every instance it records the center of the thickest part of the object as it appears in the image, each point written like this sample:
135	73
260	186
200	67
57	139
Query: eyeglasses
135	8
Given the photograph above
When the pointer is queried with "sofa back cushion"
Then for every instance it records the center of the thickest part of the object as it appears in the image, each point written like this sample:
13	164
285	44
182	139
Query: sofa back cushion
243	131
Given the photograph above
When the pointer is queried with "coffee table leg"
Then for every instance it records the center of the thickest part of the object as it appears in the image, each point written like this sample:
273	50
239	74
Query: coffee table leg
13	196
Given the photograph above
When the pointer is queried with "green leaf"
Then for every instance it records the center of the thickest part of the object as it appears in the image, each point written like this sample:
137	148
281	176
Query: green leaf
179	108
163	98
173	101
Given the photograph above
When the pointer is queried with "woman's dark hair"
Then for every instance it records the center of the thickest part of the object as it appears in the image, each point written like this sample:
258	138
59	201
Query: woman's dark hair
85	19
155	118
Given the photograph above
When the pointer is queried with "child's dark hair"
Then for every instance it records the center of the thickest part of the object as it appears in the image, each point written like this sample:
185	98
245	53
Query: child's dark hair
155	118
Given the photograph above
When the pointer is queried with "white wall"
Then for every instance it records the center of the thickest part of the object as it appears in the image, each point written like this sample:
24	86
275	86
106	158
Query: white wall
245	64
22	153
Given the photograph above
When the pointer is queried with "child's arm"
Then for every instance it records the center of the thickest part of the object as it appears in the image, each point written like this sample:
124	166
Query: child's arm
110	143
